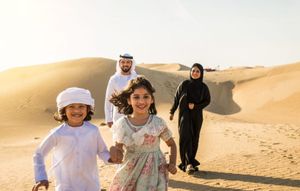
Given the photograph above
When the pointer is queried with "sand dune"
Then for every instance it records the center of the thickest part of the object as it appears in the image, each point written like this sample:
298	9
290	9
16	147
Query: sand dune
276	93
165	67
249	140
39	85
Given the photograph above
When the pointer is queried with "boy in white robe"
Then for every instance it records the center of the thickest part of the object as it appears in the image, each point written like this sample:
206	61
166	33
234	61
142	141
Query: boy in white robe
75	144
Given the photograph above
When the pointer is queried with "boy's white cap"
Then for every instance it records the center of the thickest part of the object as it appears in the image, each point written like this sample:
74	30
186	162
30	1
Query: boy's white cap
74	95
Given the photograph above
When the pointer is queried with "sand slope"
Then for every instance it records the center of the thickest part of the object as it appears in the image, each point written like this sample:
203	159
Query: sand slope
249	139
276	93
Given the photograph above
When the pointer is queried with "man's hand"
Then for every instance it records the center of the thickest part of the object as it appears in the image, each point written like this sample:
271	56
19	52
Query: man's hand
40	184
109	124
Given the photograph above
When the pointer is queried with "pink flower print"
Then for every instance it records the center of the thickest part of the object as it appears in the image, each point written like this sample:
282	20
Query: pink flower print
115	187
131	165
162	168
152	188
131	185
148	166
149	139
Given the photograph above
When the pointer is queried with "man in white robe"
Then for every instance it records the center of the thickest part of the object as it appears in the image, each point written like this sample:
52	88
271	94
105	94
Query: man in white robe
125	71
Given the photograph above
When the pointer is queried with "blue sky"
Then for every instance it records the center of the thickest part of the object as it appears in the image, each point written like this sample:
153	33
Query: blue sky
215	33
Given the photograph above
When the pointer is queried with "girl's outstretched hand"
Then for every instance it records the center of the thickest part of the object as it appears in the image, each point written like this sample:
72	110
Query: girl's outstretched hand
40	184
172	168
116	154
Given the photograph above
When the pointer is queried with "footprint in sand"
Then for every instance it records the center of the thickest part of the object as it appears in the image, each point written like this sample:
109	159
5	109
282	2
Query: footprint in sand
290	156
248	156
293	162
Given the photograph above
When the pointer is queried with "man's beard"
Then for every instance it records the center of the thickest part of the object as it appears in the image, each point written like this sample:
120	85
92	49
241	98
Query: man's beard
126	70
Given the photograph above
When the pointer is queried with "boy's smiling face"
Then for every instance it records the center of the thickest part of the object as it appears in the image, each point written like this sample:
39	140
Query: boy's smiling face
76	112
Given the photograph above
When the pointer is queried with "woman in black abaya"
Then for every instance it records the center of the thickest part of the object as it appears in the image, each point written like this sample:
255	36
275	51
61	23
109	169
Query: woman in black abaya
192	96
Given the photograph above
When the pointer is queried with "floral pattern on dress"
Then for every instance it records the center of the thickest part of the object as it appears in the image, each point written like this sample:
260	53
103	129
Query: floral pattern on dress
148	166
144	165
131	164
149	139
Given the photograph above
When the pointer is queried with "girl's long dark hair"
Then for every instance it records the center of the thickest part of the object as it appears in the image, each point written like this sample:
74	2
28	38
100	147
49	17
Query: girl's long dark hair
120	100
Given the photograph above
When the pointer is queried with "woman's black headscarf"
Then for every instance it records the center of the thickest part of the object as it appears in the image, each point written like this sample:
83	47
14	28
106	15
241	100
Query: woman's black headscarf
194	90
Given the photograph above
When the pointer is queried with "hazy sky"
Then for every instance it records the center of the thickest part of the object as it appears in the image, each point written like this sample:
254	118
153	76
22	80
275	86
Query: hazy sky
213	32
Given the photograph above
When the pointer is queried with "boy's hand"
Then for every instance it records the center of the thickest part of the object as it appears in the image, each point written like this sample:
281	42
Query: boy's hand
172	168
116	154
40	184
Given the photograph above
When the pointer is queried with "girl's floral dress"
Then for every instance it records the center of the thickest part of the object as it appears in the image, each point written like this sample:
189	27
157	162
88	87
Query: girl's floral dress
144	165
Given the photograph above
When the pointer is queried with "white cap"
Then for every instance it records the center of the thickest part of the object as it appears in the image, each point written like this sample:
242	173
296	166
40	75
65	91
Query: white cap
74	95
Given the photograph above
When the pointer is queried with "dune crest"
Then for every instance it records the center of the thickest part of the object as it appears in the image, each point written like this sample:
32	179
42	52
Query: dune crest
166	67
245	92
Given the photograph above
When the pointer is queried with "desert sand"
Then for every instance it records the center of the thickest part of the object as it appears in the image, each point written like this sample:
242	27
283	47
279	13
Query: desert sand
250	138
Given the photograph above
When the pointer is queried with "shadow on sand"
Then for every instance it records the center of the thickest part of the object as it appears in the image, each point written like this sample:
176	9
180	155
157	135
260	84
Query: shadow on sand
222	98
196	187
231	176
